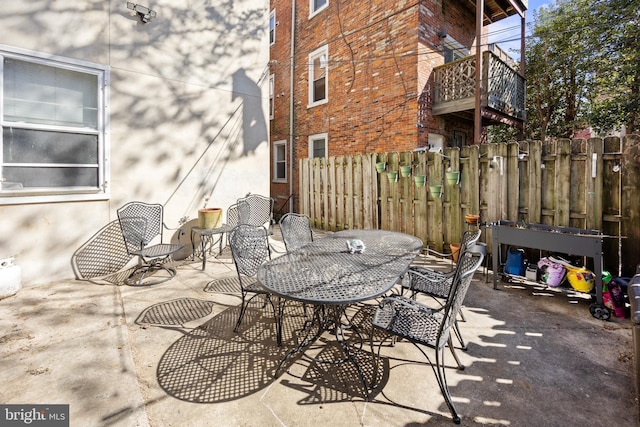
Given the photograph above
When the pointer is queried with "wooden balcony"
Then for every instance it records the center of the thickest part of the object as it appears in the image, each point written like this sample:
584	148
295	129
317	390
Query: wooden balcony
503	98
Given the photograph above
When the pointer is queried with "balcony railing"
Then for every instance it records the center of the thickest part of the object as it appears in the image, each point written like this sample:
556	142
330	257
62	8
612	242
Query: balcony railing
455	87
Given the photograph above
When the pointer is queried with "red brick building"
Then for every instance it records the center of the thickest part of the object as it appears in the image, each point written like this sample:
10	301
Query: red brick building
353	77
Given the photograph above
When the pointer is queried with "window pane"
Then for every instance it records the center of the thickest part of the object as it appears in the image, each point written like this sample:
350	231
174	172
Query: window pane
35	93
318	148
319	90
280	160
272	28
317	4
51	177
35	146
319	77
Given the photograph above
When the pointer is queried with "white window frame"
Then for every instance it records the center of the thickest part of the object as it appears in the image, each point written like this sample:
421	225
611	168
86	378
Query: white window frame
272	108
272	27
276	160
316	137
318	54
313	12
12	195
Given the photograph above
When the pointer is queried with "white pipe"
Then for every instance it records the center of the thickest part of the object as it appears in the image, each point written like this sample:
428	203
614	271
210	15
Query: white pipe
291	87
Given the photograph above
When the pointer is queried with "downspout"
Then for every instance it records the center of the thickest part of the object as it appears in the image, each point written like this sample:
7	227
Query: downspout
291	99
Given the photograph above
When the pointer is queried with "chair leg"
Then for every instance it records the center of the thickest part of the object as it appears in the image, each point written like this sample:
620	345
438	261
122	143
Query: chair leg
456	330
442	382
145	271
279	316
461	314
454	354
440	373
243	308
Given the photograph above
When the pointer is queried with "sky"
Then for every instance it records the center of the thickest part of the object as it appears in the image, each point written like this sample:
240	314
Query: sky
507	31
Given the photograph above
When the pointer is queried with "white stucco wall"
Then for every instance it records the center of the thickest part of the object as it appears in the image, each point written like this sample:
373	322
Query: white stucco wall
174	137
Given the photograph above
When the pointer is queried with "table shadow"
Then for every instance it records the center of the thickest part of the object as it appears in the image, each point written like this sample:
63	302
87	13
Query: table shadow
212	363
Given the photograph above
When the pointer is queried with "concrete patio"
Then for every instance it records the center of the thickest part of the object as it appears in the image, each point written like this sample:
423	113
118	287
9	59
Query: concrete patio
167	355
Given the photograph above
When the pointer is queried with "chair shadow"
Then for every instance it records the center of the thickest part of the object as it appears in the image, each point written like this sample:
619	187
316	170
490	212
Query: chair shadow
103	257
175	314
224	285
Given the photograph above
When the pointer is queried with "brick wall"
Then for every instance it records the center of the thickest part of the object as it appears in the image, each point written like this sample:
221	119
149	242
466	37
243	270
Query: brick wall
381	57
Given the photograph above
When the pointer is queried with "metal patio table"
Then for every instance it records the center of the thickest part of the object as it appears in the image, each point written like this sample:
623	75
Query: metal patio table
208	238
326	275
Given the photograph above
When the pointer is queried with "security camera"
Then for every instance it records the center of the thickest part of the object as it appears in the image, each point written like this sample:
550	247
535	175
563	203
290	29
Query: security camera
144	13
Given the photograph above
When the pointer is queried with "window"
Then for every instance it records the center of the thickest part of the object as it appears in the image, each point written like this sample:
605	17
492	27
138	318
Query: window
453	50
318	77
272	27
53	115
316	6
459	139
280	161
436	140
271	96
318	145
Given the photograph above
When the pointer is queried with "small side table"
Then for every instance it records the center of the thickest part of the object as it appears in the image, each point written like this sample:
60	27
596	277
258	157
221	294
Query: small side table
207	237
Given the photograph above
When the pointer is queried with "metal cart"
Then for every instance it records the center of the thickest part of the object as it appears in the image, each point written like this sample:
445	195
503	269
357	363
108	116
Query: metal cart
574	241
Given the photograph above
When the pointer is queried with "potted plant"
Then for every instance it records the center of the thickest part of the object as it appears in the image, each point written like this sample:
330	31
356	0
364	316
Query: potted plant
393	176
435	190
381	166
455	251
453	177
405	170
209	218
420	180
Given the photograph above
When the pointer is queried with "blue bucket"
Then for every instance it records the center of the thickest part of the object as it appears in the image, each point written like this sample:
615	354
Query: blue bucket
515	262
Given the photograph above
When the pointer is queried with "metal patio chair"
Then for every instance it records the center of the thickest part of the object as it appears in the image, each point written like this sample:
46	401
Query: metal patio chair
250	249
260	210
141	225
296	230
423	326
437	284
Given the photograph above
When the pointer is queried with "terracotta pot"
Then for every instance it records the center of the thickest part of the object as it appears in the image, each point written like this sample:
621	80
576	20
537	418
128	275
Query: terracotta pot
455	250
209	218
472	219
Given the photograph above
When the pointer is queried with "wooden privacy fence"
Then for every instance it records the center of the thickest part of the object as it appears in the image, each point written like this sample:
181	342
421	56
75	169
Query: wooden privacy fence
593	184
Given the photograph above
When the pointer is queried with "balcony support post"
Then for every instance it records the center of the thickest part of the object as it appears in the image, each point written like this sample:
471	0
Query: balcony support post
477	118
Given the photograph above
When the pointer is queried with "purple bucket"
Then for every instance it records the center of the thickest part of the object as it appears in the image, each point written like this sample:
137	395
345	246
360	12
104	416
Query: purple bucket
552	272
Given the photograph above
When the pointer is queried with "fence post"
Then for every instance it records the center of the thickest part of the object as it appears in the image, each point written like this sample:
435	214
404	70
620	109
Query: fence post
594	178
563	181
512	181
534	188
369	191
453	213
434	205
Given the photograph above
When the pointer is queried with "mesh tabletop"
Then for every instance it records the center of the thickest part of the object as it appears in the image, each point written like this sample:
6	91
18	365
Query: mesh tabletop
324	272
